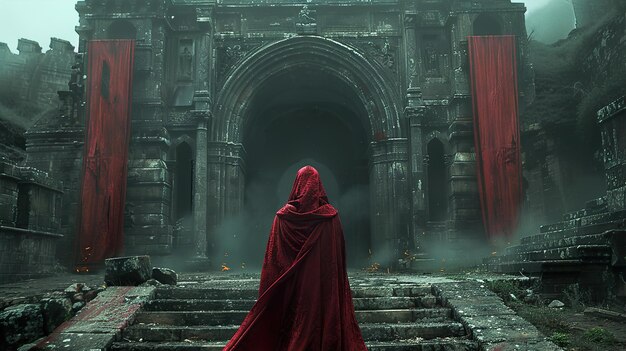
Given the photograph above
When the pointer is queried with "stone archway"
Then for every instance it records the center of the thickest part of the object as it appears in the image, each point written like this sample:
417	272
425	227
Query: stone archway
355	94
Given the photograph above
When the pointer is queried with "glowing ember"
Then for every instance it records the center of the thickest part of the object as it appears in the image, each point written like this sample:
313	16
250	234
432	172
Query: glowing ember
82	269
373	268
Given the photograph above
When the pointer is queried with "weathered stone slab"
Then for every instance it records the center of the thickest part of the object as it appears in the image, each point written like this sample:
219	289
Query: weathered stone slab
100	321
78	342
542	345
131	270
489	321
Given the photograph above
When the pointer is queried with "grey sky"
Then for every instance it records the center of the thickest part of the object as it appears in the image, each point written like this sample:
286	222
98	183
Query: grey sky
41	19
38	20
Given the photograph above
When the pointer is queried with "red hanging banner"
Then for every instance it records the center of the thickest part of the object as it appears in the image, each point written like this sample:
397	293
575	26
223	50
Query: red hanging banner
493	71
105	156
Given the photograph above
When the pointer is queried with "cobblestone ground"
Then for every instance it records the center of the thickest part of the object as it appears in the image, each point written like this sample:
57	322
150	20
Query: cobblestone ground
487	321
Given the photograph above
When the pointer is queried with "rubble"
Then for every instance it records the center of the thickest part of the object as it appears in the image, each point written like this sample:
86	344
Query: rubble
165	275
556	304
20	324
55	311
132	270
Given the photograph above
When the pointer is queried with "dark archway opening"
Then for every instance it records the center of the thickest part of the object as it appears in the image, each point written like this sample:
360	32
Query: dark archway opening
183	195
122	29
437	190
487	24
307	116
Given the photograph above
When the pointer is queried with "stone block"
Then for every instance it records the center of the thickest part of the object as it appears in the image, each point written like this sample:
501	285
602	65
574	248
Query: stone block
165	275
20	324
132	270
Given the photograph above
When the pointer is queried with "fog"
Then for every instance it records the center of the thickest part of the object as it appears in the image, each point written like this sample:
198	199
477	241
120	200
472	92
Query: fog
549	20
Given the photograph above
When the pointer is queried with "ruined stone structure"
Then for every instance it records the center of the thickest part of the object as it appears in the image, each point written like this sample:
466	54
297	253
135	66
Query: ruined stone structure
30	205
588	12
35	76
228	95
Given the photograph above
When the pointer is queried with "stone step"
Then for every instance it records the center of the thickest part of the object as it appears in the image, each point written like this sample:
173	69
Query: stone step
425	329
198	305
536	266
589	210
408	290
369	303
585	253
591	229
197	293
584	221
594	239
193	293
211	318
447	344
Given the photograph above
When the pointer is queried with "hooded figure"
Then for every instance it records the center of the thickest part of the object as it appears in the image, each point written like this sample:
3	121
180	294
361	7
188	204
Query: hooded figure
304	300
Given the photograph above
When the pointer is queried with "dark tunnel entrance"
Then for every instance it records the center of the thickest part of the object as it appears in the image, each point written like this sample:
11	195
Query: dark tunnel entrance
301	117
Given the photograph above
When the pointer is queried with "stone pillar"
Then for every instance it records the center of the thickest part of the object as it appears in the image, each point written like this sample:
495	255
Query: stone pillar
410	42
414	113
225	192
389	200
612	120
203	63
202	113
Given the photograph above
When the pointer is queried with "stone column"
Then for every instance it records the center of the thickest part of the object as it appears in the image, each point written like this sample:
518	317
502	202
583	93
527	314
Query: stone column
410	42
414	113
201	111
226	179
203	62
389	200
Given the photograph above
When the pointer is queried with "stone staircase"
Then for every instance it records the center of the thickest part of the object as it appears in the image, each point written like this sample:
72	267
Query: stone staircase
586	248
393	317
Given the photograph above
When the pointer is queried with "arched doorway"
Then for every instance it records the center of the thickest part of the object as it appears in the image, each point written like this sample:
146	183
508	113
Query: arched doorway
308	100
182	200
307	116
437	182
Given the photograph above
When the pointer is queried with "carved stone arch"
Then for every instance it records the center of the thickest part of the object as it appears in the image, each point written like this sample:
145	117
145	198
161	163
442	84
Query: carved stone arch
441	136
373	98
376	92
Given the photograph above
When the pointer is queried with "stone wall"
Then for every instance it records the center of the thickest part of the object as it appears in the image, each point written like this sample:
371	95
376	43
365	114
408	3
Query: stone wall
54	145
192	80
30	204
612	120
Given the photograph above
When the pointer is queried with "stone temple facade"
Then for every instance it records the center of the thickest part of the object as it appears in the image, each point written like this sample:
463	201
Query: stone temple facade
230	97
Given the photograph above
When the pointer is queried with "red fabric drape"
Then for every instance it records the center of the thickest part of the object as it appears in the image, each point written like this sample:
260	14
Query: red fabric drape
107	135
304	297
493	70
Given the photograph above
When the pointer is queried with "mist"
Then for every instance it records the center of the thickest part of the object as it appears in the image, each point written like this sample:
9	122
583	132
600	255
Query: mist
241	240
548	21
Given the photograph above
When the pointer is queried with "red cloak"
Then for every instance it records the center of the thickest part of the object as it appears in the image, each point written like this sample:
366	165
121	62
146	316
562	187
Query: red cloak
304	300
